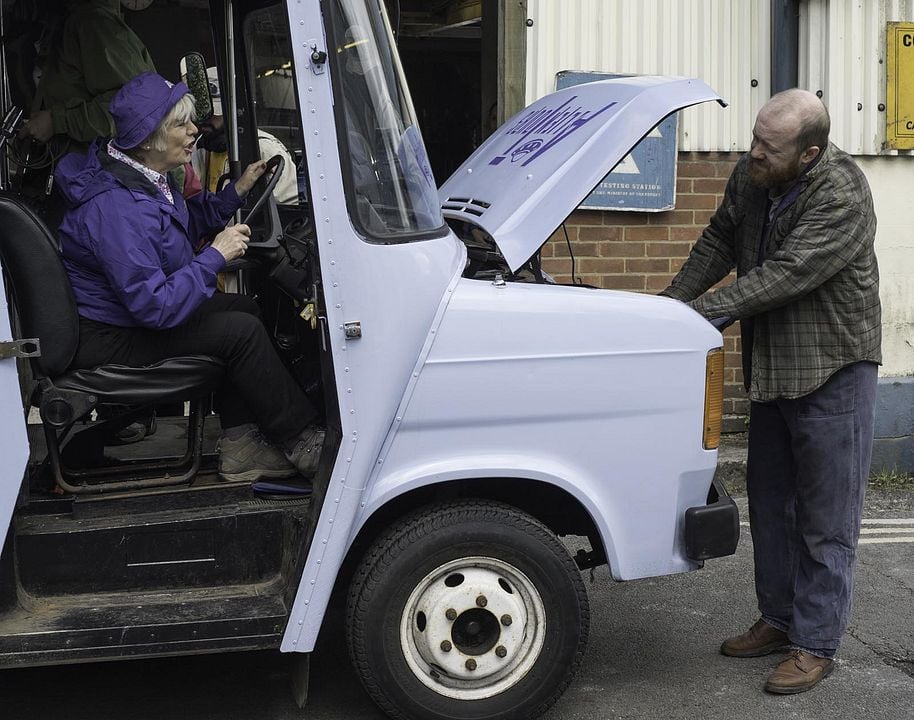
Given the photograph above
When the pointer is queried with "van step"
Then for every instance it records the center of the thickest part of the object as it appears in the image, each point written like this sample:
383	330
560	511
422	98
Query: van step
241	540
89	627
205	492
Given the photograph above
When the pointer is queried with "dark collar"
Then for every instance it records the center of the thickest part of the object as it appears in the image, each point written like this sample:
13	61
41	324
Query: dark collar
128	177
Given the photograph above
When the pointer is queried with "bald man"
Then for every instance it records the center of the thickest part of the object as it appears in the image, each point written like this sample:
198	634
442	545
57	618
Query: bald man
797	223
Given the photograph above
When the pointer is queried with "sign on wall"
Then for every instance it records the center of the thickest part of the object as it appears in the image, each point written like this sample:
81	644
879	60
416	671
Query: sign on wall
645	180
899	96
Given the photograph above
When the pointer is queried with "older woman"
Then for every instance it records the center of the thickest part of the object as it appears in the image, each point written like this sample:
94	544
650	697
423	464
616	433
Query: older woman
127	242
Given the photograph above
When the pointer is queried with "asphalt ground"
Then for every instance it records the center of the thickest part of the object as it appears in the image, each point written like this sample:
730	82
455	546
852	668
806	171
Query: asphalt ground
652	656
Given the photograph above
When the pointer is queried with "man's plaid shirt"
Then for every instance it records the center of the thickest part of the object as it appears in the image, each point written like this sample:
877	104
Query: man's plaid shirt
814	299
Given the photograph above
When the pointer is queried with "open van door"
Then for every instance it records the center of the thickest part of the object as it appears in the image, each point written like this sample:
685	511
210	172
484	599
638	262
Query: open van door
14	446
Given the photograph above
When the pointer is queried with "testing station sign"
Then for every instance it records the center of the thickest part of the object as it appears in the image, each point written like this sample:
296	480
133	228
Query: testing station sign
645	179
899	96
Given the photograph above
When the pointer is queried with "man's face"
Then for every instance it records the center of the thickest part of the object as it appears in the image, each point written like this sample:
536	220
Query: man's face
212	134
775	161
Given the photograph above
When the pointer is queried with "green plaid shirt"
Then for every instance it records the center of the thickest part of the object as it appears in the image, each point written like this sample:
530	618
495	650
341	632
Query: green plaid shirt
812	297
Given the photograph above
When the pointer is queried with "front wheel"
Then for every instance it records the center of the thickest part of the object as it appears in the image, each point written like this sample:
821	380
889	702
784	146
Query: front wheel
465	611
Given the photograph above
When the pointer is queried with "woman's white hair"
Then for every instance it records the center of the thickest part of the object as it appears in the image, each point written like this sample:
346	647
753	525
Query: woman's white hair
183	112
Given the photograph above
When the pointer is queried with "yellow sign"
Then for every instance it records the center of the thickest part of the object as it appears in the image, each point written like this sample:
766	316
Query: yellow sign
899	96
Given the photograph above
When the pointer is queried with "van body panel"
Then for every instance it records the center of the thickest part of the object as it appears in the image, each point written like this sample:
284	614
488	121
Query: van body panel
545	382
374	372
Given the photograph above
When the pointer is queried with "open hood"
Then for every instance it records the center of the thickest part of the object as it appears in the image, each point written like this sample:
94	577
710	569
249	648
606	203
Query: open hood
522	182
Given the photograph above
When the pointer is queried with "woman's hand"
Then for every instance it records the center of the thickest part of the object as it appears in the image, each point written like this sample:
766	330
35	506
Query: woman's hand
250	176
233	241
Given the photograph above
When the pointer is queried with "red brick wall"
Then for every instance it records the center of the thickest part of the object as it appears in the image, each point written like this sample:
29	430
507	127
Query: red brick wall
642	251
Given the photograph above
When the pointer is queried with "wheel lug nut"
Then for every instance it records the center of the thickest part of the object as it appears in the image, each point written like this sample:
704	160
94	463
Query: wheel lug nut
481	601
446	645
451	614
501	651
471	664
506	620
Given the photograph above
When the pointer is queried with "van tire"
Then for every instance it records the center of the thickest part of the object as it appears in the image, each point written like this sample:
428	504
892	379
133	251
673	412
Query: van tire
467	610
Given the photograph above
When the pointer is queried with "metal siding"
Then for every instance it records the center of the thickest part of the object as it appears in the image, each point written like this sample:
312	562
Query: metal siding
842	53
724	43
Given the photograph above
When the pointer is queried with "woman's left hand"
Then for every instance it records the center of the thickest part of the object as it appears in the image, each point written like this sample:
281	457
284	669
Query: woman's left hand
250	176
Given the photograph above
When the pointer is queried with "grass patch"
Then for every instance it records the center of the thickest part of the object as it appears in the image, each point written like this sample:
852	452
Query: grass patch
891	480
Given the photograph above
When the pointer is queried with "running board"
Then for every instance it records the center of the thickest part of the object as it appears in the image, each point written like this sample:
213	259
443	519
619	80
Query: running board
90	628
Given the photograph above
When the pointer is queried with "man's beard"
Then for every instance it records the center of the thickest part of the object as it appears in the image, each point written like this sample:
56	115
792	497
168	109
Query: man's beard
768	178
213	140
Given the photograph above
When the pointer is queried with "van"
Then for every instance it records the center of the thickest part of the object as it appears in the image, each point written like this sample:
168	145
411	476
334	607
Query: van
476	413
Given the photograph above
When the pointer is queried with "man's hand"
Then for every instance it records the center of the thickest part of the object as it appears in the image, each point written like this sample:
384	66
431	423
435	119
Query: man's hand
39	126
233	241
722	323
251	175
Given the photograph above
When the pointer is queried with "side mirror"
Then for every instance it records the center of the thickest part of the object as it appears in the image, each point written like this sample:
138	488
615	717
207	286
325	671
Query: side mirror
193	72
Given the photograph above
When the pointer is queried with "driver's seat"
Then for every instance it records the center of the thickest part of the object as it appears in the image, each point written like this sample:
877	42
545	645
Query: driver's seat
46	310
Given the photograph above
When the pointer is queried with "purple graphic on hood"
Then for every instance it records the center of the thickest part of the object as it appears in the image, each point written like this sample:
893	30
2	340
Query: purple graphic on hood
544	128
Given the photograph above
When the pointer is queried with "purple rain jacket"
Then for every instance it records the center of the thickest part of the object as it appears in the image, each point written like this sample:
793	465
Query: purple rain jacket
128	251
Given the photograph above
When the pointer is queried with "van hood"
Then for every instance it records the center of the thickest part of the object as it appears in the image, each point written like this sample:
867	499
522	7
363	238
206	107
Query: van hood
522	182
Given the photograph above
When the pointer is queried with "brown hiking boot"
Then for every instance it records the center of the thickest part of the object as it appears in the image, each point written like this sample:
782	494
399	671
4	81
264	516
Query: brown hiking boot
760	639
798	673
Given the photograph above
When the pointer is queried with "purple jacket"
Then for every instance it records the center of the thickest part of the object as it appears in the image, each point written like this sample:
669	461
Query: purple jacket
128	251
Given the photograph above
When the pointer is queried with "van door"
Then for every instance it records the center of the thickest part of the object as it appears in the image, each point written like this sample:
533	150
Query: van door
14	445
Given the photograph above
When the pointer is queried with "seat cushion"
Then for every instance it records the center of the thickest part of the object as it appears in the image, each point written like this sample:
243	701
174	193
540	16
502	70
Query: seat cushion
179	378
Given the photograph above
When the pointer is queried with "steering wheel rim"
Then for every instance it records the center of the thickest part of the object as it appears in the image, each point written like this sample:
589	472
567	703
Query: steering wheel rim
277	164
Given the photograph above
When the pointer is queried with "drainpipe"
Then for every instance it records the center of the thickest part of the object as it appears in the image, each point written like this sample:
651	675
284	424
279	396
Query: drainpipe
785	42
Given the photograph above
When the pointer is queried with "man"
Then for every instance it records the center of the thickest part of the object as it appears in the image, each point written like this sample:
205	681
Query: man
797	222
94	55
210	158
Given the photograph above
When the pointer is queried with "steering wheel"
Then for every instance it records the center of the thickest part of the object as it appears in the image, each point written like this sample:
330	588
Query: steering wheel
277	164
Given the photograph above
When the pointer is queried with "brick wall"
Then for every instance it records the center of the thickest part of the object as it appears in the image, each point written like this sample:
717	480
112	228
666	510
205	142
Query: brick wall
642	251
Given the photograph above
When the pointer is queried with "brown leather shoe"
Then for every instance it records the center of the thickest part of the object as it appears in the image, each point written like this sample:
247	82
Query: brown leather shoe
798	673
760	639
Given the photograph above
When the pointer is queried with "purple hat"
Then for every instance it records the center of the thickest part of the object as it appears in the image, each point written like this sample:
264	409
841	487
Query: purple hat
141	105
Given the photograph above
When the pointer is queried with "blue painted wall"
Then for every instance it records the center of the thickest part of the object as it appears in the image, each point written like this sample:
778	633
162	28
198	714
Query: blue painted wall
893	447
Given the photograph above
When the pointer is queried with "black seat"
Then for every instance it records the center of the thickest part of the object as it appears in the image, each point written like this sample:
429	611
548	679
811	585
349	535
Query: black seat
46	310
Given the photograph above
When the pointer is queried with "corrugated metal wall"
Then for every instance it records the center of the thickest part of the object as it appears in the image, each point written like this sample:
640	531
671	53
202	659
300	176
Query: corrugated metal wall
723	42
727	44
842	53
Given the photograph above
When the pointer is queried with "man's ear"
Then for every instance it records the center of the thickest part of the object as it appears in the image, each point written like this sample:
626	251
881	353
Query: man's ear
809	154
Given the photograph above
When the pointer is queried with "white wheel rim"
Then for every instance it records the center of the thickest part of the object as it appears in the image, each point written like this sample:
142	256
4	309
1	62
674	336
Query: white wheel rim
472	628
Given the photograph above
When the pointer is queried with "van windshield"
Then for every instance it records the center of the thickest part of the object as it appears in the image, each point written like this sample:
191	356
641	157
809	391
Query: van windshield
392	192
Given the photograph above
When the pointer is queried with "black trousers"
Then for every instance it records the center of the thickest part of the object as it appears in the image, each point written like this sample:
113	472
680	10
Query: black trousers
258	388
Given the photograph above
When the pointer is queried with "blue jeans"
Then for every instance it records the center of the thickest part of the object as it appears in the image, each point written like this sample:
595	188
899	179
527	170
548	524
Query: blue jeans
809	460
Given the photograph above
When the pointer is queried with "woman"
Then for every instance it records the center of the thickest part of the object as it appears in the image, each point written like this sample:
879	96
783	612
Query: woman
142	294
